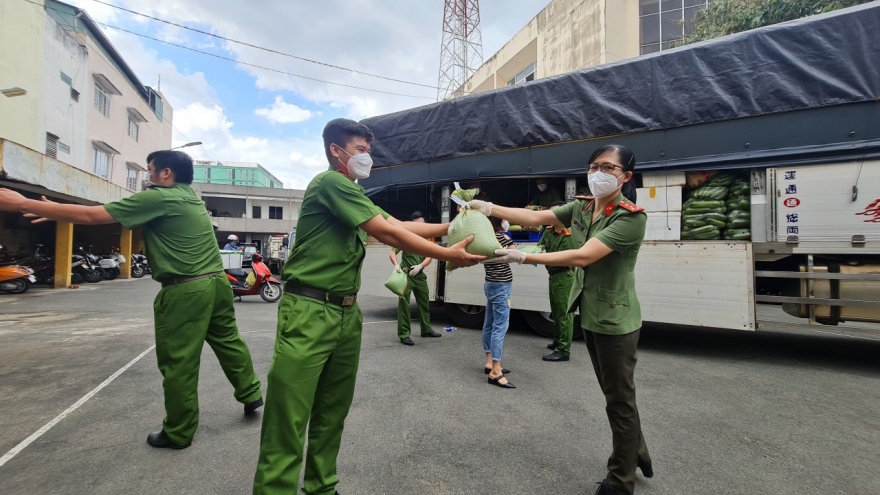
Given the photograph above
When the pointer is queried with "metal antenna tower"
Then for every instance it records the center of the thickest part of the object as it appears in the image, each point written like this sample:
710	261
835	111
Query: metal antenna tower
461	52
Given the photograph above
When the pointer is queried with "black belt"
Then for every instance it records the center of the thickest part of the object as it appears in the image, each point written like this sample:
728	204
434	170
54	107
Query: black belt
183	280
320	295
560	270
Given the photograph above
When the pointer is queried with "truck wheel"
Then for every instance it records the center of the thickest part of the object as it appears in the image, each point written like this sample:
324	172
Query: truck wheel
466	315
542	324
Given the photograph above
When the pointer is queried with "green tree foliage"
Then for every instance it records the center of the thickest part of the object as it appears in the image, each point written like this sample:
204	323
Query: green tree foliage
723	17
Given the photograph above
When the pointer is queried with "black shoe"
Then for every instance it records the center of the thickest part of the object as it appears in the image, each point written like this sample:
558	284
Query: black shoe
432	334
647	470
160	440
407	341
494	381
504	371
551	346
555	356
250	407
608	490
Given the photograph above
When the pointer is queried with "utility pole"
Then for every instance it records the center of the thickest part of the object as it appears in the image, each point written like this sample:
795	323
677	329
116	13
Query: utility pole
461	52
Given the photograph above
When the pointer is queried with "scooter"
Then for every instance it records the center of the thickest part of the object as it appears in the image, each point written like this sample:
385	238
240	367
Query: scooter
264	284
16	279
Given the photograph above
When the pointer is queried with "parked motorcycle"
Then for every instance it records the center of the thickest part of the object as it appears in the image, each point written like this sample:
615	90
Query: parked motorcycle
261	281
111	263
139	265
16	279
90	267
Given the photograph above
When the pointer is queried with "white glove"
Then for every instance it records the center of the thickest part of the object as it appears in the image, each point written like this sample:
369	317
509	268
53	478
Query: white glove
415	270
508	256
397	268
483	207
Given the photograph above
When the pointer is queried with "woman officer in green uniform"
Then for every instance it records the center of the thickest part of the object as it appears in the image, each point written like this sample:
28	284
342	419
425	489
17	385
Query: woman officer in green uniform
609	231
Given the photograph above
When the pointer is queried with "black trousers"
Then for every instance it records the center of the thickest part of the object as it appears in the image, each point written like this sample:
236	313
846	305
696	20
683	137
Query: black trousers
614	360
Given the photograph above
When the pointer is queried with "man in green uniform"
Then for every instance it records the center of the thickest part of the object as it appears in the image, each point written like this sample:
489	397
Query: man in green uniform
547	196
317	347
557	238
414	266
195	302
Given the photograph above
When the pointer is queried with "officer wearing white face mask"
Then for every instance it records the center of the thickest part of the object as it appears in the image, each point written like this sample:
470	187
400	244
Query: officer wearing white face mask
317	348
547	196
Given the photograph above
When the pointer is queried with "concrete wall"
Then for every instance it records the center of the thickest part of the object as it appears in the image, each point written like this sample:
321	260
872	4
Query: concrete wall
22	29
59	179
567	35
238	200
61	115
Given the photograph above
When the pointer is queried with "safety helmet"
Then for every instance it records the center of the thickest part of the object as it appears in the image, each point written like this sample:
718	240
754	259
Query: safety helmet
232	237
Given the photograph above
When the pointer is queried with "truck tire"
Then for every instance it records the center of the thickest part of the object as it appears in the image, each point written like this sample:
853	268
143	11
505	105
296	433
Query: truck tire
466	315
542	324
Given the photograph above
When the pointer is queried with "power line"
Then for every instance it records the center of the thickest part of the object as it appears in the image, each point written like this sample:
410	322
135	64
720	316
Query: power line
259	66
270	50
240	62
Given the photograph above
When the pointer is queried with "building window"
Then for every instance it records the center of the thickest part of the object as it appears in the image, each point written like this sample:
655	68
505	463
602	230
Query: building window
102	101
131	180
74	94
51	145
526	75
66	79
257	212
63	148
276	212
231	174
664	22
133	129
102	163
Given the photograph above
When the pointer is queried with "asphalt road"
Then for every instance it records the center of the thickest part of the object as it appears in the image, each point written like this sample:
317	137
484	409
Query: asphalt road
723	412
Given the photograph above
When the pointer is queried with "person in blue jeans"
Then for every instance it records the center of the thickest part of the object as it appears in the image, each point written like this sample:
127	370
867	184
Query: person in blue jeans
499	281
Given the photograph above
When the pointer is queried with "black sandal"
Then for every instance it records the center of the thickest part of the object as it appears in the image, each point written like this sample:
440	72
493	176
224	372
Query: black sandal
494	381
504	371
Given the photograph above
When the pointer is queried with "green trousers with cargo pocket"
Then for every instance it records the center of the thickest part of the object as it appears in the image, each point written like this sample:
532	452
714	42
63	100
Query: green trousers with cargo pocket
560	287
310	386
418	286
186	316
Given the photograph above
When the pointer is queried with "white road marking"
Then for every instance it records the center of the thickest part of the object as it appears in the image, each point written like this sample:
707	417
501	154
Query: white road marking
37	434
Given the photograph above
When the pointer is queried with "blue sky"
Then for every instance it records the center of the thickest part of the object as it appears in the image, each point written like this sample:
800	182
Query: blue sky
247	114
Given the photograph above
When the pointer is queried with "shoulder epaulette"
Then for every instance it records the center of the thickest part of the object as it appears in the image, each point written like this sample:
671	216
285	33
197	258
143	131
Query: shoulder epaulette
630	206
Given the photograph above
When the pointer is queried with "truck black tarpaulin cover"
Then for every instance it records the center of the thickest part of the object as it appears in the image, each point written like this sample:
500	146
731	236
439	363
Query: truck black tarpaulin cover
814	63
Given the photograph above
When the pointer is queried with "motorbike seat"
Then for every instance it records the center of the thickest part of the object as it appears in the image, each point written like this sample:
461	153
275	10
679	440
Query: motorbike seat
237	272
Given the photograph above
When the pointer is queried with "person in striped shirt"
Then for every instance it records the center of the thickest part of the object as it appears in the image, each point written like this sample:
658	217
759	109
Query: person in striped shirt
499	281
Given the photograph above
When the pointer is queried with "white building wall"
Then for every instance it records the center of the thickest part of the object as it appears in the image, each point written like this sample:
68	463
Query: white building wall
113	129
61	115
21	50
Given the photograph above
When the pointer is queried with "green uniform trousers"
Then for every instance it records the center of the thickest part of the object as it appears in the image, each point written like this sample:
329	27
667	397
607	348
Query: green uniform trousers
560	287
311	384
186	316
614	360
418	285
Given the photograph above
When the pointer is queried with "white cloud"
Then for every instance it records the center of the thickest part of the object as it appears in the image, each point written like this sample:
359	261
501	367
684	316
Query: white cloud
282	112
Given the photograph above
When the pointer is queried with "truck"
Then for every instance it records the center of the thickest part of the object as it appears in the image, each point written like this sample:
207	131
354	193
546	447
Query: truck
279	249
791	109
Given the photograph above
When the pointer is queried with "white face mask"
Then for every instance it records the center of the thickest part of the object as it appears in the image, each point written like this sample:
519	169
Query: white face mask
603	185
542	187
505	225
359	164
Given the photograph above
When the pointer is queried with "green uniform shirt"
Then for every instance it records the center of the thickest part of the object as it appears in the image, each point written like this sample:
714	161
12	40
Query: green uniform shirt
330	248
607	288
552	241
546	198
178	234
409	260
